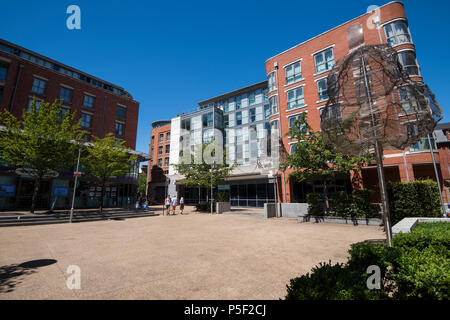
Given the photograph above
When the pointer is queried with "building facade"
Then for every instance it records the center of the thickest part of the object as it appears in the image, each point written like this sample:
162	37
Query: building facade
102	107
296	84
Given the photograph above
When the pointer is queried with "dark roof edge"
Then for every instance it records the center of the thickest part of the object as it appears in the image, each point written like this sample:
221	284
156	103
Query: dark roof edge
234	93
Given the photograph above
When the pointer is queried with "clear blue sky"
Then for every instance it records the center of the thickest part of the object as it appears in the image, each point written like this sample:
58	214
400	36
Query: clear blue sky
171	55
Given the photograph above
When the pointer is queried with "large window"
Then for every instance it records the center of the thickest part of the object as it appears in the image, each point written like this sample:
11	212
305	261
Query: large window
208	136
160	163
251	98
86	120
168	136
119	129
295	118
322	89
161	137
3	72
295	98
65	94
409	62
293	73
121	111
407	99
160	150
167	148
273	104
271	81
207	119
267	111
88	102
397	33
324	60
37	104
331	113
252	114
238	118
166	162
38	86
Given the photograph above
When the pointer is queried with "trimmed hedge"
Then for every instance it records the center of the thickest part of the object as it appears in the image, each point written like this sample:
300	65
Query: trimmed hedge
415	268
413	199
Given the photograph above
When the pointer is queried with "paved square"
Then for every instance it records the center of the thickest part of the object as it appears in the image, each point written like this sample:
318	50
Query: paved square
195	256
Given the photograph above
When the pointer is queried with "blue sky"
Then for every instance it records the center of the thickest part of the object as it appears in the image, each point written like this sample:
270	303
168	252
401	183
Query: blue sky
171	55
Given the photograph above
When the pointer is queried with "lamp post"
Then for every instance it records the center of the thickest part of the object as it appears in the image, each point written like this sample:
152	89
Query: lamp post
76	173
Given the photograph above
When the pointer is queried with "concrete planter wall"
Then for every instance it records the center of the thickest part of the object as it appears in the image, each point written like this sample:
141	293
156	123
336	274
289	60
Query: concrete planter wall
353	221
222	207
289	210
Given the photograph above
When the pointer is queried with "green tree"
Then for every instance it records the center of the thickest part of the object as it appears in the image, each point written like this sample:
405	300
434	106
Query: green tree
202	174
106	158
142	183
313	157
41	142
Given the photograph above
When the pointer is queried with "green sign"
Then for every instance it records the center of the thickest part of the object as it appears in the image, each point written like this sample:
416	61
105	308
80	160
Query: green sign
224	187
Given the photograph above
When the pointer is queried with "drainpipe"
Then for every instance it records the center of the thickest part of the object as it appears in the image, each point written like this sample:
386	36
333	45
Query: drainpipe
19	72
279	126
437	176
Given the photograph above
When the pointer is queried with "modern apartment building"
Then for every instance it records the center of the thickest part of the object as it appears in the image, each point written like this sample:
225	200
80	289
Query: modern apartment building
297	80
296	84
102	107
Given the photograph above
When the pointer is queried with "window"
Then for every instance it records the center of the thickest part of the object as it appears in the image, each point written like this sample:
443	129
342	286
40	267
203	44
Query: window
273	104
208	136
407	101
331	113
160	163
267	111
86	120
293	147
152	141
409	62
121	112
293	119
65	94
253	132
88	102
397	33
119	129
265	95
207	119
226	120
3	72
37	104
239	101
322	89
38	86
295	98
1	93
238	118
186	124
161	137
293	73
166	162
160	150
324	60
167	148
168	136
252	114
251	98
86	136
271	81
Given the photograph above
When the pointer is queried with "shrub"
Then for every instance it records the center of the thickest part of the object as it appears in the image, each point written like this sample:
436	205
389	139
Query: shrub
341	204
205	207
316	207
361	206
413	199
422	274
222	197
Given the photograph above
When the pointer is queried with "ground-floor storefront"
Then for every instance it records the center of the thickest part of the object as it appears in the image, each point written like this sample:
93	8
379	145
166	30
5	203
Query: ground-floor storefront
16	192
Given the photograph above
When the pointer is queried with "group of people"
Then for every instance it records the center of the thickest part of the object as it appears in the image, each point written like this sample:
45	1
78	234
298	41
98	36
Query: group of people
171	204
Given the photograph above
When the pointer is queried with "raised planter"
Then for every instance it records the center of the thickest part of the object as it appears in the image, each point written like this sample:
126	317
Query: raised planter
330	219
222	207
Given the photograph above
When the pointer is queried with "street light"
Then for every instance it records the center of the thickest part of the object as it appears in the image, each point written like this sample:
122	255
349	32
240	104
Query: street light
76	174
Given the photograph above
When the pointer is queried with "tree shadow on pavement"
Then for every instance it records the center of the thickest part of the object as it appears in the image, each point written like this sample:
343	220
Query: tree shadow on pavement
12	275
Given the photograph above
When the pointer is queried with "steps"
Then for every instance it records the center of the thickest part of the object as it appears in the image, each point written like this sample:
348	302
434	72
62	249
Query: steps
37	219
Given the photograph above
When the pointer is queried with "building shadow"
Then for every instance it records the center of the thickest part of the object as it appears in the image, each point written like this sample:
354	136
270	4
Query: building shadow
12	275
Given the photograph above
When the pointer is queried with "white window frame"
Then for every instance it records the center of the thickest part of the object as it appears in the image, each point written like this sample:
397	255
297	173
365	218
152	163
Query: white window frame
296	98
294	75
325	62
396	36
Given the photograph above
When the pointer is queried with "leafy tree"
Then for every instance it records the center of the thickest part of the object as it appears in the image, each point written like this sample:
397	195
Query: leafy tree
41	142
107	157
142	183
202	174
314	157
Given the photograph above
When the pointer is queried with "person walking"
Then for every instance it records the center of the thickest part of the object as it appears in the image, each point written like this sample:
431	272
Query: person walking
168	203
174	204
181	205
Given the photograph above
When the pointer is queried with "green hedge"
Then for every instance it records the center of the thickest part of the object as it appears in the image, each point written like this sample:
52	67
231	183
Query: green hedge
415	268
413	199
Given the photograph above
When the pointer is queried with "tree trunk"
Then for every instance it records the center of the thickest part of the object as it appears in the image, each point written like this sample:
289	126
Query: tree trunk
325	194
37	183
101	196
199	194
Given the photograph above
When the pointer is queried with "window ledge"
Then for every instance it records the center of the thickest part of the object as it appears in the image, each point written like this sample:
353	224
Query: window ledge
296	108
300	80
323	100
322	72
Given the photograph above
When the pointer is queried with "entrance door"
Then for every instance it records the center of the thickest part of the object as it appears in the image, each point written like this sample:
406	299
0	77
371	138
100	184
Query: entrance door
25	194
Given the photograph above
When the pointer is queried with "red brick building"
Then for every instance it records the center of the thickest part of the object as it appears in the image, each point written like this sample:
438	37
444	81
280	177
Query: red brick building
102	106
297	78
158	165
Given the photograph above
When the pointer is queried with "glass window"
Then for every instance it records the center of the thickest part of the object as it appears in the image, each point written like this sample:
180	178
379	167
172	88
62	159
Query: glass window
226	120
3	72
38	86
121	112
167	148
208	135
408	102
207	119
271	81
322	89
238	118
267	111
265	95
252	115
86	120
88	102
324	60
409	62
168	136
251	98
161	137
273	104
37	103
292	122
295	98
332	112
119	129
293	73
160	150
397	33
65	94
160	163
293	147
166	162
